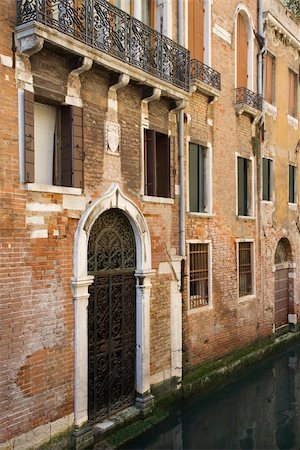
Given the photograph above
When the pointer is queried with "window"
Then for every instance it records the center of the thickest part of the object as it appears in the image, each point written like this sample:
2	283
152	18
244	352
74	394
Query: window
242	52
293	93
269	78
157	164
199	195
244	180
245	268
292	184
199	275
53	144
196	29
267	170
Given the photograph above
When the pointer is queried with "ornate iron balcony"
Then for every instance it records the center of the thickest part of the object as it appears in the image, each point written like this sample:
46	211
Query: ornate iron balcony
247	97
206	74
105	27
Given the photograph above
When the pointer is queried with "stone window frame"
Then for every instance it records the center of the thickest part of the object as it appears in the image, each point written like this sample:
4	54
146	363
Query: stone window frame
251	214
253	267
271	200
295	193
244	10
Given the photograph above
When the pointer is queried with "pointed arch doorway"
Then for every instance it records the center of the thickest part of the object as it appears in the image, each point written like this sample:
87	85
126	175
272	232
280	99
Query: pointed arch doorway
283	283
111	315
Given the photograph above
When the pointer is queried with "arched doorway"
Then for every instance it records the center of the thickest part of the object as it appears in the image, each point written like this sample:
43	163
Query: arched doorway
283	282
111	315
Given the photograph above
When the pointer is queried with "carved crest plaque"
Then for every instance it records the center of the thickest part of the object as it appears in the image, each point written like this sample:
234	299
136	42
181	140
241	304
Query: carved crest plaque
112	137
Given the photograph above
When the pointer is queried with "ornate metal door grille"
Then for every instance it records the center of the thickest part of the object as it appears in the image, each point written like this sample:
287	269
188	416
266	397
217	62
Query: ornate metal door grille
111	315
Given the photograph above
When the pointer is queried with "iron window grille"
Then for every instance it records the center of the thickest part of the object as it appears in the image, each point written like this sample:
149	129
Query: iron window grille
107	28
245	269
198	274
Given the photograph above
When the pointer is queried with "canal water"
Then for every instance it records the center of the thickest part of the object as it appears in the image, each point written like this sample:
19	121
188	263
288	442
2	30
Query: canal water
261	410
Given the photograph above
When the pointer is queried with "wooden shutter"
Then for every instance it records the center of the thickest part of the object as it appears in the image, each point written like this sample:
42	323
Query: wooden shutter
193	178
66	148
150	162
242	186
29	136
162	165
242	52
269	78
266	179
292	93
201	162
196	29
77	147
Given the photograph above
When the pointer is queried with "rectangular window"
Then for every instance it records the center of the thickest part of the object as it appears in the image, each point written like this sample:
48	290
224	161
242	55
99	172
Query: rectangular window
53	144
199	275
157	164
293	93
245	268
269	78
199	198
196	29
267	169
292	184
244	179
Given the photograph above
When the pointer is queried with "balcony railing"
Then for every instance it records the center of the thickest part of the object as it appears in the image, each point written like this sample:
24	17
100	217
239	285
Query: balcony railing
247	97
206	74
105	27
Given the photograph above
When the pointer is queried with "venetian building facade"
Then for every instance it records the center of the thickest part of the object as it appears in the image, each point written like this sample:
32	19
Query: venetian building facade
90	217
279	165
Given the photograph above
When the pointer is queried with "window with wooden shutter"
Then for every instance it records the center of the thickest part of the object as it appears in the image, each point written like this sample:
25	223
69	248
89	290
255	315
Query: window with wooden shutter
244	187
267	166
292	184
53	144
242	52
196	29
157	164
269	78
293	93
245	269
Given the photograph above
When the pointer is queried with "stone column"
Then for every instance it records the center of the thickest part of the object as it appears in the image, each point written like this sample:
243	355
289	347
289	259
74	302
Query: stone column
144	398
81	295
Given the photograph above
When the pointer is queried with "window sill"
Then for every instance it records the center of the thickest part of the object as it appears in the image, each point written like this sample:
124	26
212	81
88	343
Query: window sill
293	206
246	217
36	187
293	121
246	298
204	215
200	309
267	202
162	200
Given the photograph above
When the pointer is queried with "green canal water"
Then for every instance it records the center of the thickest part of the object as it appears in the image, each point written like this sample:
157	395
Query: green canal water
261	410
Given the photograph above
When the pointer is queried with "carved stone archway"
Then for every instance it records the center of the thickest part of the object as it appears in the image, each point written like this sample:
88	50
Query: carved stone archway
114	198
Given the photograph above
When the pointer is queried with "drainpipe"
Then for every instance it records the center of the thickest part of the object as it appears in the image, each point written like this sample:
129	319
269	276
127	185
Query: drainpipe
181	145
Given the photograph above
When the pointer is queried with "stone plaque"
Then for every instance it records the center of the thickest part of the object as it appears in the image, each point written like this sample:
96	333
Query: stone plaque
112	137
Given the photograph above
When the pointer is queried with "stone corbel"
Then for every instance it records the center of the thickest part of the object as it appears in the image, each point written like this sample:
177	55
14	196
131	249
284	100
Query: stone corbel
112	105
28	45
180	105
156	94
73	96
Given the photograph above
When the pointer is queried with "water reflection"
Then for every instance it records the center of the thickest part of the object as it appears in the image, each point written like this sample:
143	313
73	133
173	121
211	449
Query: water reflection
259	411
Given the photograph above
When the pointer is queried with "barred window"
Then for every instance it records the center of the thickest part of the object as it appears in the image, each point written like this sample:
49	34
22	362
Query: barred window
245	269
199	292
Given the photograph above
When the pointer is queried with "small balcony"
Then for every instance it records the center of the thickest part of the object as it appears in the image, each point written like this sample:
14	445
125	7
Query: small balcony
248	102
98	25
205	79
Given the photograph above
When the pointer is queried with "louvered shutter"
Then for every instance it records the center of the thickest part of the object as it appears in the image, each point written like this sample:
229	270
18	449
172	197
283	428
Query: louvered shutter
150	162
162	165
66	146
78	153
292	87
196	29
242	52
29	136
269	78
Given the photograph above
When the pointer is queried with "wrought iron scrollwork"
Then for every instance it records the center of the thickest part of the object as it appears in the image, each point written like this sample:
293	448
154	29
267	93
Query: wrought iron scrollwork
109	29
206	74
243	95
111	315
